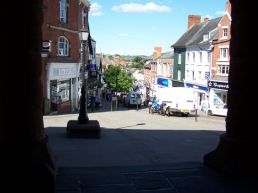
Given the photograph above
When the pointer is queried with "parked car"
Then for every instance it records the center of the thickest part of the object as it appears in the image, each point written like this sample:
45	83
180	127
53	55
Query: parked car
133	99
220	110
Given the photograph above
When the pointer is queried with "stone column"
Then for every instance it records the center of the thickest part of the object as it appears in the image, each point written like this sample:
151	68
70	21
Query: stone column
26	163
236	154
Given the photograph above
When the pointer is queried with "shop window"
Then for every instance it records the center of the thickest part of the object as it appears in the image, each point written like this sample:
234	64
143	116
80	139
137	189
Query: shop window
60	91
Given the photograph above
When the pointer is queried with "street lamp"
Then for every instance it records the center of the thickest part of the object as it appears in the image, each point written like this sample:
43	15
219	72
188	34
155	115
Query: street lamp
83	115
83	127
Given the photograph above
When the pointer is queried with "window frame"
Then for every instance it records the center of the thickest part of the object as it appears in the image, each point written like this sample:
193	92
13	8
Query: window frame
62	45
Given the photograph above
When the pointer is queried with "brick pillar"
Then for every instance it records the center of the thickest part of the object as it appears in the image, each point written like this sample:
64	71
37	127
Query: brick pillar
26	162
236	154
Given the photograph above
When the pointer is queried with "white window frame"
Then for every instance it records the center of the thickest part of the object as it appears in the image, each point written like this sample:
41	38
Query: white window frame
63	11
178	74
200	54
224	35
62	46
188	57
223	69
223	53
179	58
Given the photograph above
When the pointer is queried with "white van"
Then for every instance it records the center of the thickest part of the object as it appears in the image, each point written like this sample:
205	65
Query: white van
178	100
133	99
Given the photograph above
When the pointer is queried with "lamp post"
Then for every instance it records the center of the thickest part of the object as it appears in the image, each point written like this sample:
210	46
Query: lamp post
83	127
83	115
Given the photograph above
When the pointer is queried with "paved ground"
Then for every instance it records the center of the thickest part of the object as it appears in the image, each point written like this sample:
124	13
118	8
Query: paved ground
139	152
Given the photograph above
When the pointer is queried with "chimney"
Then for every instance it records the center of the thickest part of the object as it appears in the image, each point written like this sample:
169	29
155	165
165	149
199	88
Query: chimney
193	20
158	51
206	20
228	7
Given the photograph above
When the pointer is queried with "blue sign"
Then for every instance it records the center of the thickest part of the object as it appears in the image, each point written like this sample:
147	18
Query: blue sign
207	75
203	88
162	81
91	67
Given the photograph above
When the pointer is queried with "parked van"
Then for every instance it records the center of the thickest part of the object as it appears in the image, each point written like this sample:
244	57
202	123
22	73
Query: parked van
133	99
178	100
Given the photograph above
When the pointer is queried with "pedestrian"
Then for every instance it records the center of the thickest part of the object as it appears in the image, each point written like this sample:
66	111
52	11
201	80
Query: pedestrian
97	102
92	102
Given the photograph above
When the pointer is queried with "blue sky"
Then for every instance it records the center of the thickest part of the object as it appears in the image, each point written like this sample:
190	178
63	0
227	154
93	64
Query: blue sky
135	27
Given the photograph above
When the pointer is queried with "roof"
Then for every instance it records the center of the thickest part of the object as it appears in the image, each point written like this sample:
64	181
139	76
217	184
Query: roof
194	35
167	55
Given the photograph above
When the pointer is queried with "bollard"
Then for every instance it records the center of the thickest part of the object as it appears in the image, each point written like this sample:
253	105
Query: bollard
196	115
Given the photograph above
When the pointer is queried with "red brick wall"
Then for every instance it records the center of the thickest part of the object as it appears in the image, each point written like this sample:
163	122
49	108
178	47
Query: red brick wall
225	21
51	18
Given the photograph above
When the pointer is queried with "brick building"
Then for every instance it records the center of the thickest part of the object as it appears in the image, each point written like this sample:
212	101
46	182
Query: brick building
218	83
61	56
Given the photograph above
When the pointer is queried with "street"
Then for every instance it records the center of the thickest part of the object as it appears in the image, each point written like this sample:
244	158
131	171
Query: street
135	137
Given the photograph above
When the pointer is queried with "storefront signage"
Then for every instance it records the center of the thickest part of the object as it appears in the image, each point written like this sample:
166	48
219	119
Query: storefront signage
91	67
64	72
218	85
46	46
203	88
162	82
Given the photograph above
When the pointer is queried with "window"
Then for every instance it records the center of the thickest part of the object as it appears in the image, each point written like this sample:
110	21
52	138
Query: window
208	57
223	69
223	53
179	58
188	57
84	18
187	74
179	75
205	37
200	54
63	11
224	32
199	75
193	78
193	57
62	46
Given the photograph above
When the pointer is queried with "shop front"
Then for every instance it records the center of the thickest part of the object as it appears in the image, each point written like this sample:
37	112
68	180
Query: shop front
218	93
63	86
200	92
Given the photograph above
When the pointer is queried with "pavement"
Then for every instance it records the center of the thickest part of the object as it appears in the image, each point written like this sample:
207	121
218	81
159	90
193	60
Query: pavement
120	163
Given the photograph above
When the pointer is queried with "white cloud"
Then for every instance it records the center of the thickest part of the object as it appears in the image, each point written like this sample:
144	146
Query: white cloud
123	34
220	12
95	9
140	8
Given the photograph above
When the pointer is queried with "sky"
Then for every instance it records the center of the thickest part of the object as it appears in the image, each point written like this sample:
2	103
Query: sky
135	27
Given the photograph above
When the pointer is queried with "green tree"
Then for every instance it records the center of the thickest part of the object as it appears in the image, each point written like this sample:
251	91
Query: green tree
125	82
137	62
117	79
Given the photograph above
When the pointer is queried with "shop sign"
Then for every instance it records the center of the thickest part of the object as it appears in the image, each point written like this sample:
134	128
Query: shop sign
203	88
162	82
64	71
46	46
218	85
91	67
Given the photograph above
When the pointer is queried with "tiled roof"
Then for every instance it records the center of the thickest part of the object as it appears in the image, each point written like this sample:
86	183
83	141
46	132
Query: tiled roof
195	34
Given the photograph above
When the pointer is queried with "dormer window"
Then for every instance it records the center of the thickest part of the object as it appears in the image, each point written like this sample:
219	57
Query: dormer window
205	37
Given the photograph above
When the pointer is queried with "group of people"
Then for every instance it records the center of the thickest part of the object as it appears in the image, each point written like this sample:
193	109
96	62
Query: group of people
94	102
